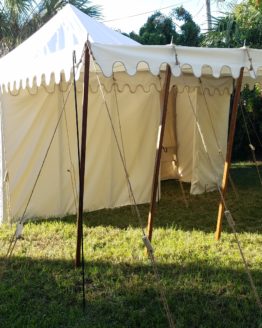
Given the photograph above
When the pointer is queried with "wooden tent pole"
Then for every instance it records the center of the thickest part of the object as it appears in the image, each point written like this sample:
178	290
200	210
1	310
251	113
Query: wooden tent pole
82	160
232	129
161	130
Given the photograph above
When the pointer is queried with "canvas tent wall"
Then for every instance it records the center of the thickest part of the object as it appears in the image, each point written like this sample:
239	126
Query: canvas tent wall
33	96
27	143
39	110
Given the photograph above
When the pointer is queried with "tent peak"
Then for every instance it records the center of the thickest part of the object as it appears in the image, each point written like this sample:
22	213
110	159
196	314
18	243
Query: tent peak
49	50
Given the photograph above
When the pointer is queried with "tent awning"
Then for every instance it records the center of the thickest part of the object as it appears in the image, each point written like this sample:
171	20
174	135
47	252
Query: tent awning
197	61
131	58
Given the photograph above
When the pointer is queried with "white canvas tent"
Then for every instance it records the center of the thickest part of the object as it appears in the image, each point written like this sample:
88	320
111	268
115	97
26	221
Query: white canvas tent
37	112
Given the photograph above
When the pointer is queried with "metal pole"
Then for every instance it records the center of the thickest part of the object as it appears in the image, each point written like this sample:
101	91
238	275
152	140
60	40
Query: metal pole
232	129
161	130
82	160
208	9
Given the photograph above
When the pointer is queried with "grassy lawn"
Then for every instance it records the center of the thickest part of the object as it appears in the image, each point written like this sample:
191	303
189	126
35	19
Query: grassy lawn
205	281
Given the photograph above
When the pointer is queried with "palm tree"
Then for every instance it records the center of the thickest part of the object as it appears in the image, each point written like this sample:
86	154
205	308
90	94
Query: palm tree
242	24
21	18
224	33
12	14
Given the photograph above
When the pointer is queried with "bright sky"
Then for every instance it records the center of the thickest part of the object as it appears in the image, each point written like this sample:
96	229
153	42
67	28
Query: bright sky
117	13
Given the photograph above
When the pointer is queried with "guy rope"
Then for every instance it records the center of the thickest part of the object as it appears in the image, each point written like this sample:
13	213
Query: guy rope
145	239
17	234
227	213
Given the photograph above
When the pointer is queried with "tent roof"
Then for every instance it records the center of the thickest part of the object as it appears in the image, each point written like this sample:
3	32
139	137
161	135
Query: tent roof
48	53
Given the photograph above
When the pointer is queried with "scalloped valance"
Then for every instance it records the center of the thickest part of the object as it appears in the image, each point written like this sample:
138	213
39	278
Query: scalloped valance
47	54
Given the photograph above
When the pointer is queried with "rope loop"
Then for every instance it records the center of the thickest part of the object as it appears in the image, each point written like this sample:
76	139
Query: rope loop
251	67
177	63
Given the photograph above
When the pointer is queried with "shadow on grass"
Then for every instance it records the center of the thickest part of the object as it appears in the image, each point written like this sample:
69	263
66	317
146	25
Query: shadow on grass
47	293
202	212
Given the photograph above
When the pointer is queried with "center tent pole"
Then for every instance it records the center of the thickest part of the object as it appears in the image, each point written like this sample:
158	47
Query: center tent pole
231	135
159	145
82	159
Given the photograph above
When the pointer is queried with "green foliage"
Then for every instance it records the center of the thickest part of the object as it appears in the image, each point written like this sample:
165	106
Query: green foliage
49	7
160	29
190	31
249	19
249	125
243	24
225	33
204	280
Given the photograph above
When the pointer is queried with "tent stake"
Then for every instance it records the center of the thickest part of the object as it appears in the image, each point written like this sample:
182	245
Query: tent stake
159	145
82	160
232	129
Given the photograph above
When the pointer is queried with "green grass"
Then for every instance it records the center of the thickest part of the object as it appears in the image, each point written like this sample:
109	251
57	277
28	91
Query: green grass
204	280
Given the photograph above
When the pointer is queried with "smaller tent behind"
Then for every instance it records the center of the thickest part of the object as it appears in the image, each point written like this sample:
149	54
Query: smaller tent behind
198	112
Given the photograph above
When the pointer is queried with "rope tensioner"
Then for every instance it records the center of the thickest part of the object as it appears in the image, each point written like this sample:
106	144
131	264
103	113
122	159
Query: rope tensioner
177	63
229	218
232	224
251	67
19	230
147	244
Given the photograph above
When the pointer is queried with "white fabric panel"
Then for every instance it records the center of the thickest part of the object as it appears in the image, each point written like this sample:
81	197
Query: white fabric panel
29	121
209	84
143	81
185	132
180	126
169	151
106	185
179	117
208	170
